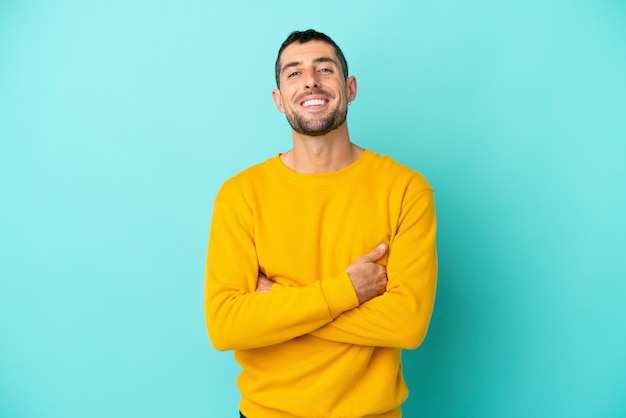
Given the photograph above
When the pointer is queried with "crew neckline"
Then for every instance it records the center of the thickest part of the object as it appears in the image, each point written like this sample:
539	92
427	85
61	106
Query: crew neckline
321	178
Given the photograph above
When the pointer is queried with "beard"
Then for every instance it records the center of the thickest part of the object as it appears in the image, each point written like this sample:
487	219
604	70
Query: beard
317	127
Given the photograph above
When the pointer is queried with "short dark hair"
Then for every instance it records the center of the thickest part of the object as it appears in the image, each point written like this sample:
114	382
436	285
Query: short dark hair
303	37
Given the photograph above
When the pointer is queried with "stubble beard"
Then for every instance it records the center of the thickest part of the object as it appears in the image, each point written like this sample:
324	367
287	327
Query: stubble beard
317	127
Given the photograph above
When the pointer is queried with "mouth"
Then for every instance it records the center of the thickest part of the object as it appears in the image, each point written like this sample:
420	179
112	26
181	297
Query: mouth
314	102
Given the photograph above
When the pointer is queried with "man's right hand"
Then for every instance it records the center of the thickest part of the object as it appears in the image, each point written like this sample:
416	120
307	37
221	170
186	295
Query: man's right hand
369	279
263	284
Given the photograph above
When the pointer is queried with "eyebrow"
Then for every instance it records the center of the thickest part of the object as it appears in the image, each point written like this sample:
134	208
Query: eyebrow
315	61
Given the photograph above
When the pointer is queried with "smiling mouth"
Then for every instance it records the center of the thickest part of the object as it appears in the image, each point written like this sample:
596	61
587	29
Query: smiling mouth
314	102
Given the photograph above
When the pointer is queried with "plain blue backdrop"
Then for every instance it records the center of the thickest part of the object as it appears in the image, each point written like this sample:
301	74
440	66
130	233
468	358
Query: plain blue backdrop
119	121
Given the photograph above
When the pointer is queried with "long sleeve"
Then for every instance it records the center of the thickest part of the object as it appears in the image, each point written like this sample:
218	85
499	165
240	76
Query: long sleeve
307	348
399	317
239	318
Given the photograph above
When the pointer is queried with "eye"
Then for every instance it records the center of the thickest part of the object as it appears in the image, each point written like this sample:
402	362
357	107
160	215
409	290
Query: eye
326	70
293	74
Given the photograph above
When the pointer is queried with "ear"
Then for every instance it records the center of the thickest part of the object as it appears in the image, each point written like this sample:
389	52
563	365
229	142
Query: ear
278	100
351	88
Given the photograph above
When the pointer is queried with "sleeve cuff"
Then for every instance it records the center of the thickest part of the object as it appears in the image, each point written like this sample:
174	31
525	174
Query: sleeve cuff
339	294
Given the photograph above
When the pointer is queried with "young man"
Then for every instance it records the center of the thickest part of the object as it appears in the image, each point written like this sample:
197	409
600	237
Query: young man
322	260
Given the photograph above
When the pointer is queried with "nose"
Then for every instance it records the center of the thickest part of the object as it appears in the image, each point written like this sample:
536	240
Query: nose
312	81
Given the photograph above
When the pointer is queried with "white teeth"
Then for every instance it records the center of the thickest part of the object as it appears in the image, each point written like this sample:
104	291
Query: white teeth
315	102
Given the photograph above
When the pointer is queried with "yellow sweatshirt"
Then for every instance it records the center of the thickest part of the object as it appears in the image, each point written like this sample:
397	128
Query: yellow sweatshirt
307	348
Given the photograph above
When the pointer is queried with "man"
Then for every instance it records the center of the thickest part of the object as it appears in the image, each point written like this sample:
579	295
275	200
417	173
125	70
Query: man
322	262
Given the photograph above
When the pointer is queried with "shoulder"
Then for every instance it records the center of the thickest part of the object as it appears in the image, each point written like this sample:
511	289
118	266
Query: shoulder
245	182
398	174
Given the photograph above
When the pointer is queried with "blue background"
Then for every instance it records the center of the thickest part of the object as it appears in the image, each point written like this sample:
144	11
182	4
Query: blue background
119	120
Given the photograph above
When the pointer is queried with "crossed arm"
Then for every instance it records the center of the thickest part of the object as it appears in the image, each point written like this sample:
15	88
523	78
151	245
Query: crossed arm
241	320
391	313
367	304
368	278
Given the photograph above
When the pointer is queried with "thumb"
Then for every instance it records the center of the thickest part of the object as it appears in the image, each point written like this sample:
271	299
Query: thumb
376	254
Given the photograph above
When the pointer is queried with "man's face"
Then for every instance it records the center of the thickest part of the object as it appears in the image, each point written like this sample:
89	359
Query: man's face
313	93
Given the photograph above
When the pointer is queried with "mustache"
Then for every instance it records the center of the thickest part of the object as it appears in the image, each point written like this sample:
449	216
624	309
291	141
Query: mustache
315	91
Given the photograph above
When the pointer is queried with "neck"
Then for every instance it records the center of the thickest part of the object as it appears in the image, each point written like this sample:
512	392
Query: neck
321	154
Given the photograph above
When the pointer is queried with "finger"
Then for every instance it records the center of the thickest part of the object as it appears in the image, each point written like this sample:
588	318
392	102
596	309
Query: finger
376	254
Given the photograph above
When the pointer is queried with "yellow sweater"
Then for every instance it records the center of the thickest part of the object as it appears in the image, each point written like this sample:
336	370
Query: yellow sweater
307	348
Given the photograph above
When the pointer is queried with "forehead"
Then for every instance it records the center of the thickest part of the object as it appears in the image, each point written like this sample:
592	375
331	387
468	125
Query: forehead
309	51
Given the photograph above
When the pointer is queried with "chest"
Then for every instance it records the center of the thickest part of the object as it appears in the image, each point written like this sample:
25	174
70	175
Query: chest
304	233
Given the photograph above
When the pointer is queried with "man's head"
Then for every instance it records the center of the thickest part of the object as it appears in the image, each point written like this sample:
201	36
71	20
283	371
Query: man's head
304	37
314	88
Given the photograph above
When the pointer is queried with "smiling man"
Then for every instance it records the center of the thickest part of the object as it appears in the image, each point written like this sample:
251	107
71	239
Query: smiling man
322	260
325	108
